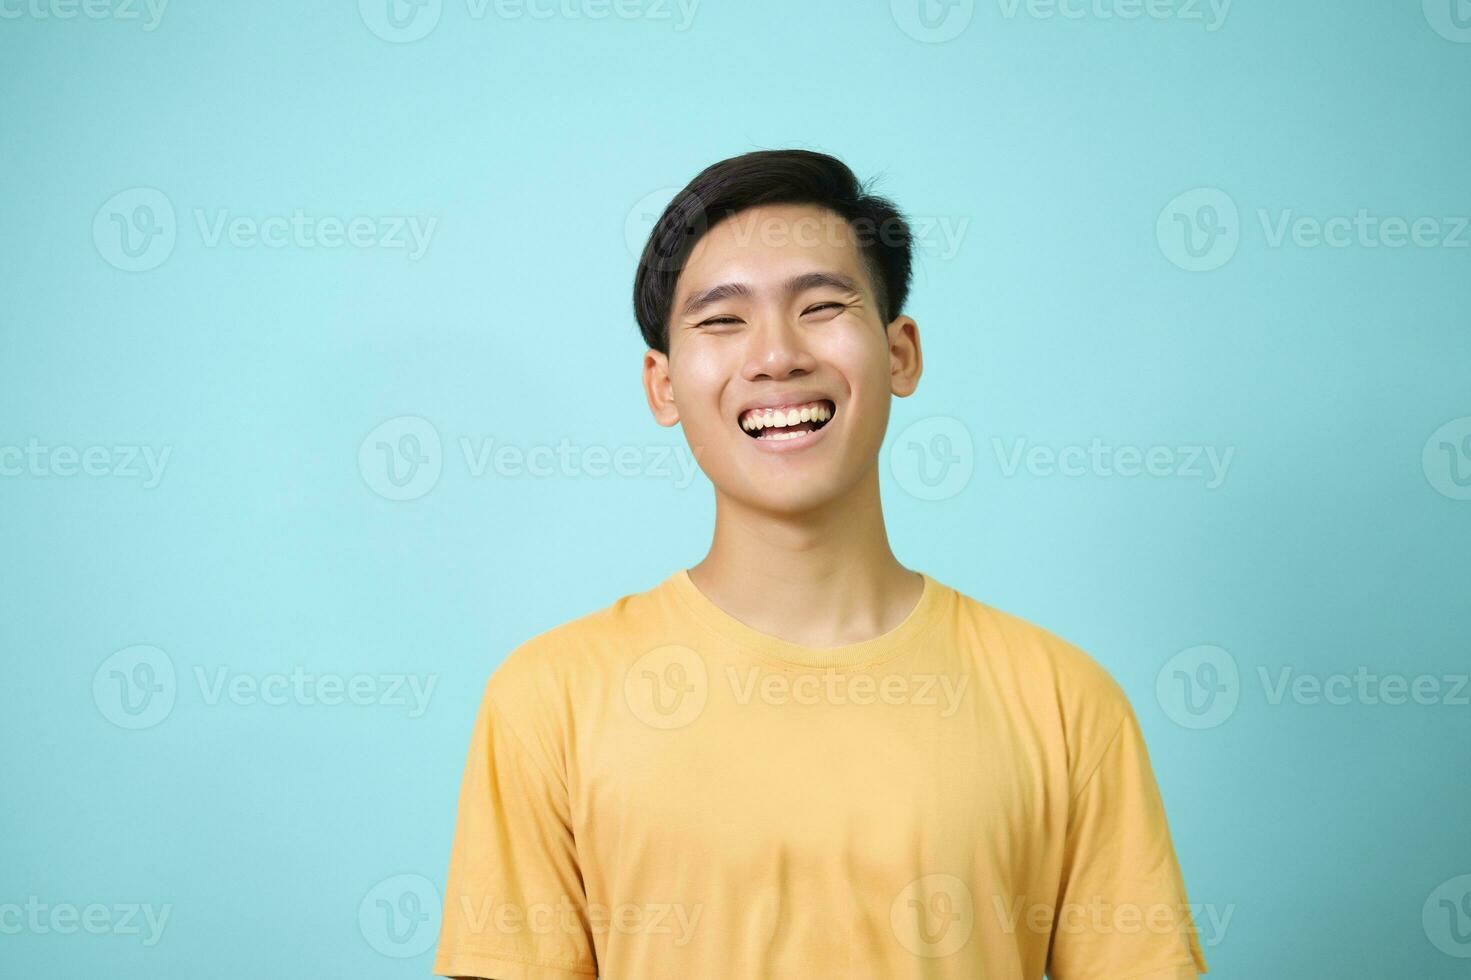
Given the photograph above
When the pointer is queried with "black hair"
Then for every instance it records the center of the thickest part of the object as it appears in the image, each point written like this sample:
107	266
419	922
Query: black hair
731	186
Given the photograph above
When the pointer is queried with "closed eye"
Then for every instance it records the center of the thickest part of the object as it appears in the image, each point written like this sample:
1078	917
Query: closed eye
722	320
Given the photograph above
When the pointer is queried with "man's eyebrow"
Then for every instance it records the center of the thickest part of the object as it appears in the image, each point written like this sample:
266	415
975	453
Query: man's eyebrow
793	286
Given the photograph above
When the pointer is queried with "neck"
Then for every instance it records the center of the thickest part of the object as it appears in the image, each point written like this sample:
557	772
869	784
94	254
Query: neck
822	579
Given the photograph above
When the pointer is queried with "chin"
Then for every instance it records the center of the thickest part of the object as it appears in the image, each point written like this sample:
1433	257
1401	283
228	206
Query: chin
790	496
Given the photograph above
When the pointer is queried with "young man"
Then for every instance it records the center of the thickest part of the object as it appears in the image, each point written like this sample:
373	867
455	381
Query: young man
799	758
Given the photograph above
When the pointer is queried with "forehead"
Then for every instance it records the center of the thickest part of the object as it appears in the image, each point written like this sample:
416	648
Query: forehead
771	242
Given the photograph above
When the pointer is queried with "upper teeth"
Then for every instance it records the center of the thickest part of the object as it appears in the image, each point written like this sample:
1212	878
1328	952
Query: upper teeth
763	418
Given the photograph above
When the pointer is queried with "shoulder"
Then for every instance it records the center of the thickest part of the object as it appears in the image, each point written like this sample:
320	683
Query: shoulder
540	668
1065	689
1019	645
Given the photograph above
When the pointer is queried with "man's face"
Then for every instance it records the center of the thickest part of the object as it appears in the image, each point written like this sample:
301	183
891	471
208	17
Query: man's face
775	310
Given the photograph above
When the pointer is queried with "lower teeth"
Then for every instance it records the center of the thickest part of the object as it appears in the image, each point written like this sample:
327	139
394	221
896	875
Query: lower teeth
803	429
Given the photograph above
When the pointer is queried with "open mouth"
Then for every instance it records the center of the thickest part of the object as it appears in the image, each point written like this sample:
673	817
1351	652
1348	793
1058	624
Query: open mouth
788	421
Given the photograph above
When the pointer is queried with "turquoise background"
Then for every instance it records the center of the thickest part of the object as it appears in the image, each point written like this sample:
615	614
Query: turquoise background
1337	540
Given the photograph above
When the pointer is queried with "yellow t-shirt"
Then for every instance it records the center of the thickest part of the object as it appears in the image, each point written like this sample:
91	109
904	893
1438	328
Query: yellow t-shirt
657	790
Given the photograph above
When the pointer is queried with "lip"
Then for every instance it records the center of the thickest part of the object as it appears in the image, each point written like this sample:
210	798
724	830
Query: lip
797	445
788	399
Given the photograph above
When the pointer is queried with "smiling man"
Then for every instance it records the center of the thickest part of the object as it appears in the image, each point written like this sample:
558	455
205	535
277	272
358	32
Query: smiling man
799	758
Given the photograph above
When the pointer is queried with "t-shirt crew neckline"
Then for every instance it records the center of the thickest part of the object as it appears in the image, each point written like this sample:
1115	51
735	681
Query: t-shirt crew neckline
874	650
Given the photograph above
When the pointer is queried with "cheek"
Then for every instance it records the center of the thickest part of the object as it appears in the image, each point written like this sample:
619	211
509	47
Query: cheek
699	377
861	357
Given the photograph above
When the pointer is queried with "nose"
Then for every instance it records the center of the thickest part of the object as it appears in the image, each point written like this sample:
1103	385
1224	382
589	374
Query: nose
776	349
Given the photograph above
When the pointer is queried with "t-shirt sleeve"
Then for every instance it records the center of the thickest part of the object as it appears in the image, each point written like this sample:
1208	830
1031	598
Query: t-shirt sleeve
514	904
1122	912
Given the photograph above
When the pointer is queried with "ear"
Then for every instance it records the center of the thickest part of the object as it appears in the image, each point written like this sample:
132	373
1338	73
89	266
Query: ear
658	388
906	362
